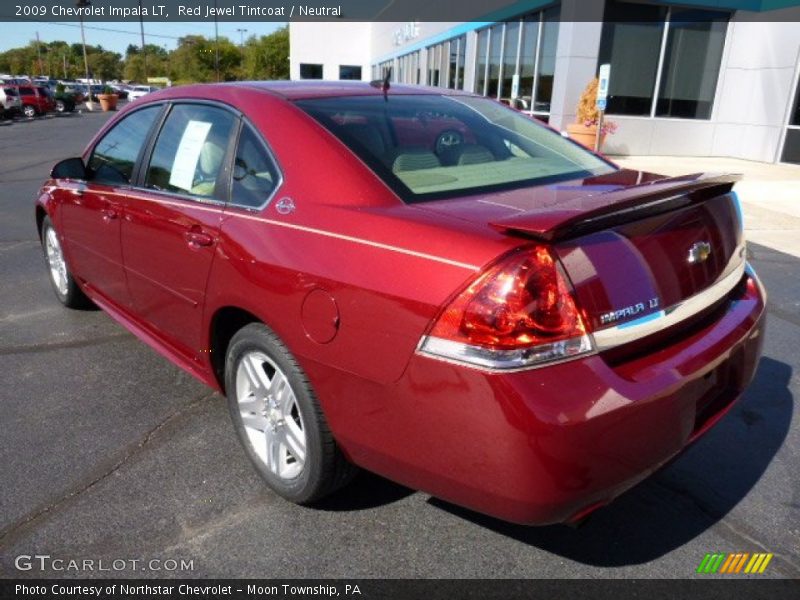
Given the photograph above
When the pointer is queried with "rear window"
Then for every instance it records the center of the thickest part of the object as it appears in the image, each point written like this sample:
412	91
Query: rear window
433	147
10	91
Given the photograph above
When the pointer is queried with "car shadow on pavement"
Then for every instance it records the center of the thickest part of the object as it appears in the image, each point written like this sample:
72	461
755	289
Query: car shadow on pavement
682	500
366	491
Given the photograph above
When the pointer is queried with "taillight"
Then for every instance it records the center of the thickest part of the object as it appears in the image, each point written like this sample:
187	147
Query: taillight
517	314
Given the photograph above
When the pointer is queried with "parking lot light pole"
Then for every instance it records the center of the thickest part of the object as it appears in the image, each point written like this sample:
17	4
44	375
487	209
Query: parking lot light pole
85	4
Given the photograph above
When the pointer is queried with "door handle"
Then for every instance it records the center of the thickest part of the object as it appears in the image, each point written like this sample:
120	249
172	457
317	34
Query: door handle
196	238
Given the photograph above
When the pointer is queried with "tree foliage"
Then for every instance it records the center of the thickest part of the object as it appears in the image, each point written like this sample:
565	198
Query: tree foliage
194	60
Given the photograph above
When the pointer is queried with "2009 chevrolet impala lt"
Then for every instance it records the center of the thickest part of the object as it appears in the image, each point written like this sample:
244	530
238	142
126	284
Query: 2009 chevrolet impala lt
423	283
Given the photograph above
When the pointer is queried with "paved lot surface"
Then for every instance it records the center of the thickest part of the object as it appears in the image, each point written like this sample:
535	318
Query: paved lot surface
109	452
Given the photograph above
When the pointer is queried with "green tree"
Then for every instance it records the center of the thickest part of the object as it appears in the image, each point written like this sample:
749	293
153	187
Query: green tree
267	57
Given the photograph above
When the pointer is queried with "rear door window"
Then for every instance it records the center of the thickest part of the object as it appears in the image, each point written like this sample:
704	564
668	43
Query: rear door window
115	155
189	154
255	176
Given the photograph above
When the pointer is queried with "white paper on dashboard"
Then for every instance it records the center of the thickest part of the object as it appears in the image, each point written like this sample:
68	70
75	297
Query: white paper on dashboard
185	164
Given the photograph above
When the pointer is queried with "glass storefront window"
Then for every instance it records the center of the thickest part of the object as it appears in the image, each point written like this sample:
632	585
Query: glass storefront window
547	61
691	64
664	60
480	68
495	56
527	57
462	55
446	63
631	44
523	49
509	60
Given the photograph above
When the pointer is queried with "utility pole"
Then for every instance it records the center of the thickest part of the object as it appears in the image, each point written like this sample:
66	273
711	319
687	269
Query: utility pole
241	37
216	42
84	4
144	50
64	58
39	54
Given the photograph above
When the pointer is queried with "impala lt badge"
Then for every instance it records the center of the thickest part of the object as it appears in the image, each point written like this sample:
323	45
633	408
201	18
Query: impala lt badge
699	252
629	311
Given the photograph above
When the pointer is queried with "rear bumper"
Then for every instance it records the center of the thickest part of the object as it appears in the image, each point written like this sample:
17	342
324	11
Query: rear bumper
550	444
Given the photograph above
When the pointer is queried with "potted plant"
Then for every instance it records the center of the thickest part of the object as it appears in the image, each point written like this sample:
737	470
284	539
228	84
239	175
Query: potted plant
108	99
584	130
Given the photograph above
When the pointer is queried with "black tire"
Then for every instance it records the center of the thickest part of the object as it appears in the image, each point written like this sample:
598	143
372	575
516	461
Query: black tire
324	468
60	106
29	111
70	294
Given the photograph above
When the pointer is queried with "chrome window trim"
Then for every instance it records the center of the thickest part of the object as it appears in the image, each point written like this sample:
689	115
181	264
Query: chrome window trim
630	331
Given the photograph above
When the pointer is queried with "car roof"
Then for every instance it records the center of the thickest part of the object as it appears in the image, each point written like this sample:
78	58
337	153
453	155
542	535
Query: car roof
297	90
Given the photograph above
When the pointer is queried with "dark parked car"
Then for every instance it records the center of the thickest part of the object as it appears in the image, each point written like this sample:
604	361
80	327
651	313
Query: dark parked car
65	102
424	283
36	100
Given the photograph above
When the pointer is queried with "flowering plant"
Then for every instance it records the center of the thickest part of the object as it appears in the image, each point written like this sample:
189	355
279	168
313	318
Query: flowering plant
588	115
608	128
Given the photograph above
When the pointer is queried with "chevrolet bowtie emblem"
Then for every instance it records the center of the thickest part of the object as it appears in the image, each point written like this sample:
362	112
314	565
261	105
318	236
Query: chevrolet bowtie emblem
699	252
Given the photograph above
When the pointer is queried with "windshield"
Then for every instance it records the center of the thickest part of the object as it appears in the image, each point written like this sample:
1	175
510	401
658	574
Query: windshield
432	147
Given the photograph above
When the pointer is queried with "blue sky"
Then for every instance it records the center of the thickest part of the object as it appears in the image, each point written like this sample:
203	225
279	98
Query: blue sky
124	33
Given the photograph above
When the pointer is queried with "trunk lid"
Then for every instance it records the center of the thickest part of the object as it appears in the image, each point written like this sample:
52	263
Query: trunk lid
634	245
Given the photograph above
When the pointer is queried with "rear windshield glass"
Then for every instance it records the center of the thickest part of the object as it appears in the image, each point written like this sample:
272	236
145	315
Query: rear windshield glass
433	147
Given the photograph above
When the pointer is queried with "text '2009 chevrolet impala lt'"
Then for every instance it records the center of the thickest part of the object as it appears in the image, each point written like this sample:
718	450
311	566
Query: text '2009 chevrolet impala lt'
423	283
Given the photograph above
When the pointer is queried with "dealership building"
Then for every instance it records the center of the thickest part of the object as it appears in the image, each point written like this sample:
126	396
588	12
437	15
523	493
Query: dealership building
689	78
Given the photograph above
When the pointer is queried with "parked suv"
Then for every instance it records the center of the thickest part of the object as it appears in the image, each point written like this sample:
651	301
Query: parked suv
35	100
9	100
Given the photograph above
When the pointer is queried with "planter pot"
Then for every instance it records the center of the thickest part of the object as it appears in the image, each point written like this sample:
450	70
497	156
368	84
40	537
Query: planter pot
585	135
108	101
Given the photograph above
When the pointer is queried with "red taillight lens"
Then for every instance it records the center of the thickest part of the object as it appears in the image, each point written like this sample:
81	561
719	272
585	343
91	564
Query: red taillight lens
521	305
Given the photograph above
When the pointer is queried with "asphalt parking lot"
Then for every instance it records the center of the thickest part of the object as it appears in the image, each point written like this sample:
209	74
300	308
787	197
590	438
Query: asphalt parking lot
108	452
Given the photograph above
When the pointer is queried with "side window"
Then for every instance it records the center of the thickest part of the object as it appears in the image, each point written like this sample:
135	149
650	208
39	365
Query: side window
254	173
189	155
115	155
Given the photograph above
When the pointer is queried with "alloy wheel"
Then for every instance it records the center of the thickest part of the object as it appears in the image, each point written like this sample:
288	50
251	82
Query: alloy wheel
55	260
271	415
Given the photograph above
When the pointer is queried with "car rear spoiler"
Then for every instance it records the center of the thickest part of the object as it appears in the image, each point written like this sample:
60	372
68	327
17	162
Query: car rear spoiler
595	212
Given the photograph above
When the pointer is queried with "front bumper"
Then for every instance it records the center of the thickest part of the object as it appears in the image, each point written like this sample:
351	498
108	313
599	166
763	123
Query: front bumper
550	444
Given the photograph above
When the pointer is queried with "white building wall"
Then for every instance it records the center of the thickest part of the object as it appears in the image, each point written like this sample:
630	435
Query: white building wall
331	44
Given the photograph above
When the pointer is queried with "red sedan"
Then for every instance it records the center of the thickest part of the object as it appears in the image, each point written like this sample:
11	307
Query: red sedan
423	283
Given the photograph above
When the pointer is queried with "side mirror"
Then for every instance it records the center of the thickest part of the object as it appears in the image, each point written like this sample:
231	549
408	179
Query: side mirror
69	168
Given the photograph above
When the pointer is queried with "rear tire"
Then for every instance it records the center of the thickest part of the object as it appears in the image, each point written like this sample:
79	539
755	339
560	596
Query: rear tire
278	419
60	106
29	111
64	285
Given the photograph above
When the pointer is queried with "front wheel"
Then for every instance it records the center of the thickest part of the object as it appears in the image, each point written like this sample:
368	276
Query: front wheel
66	288
278	419
60	106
